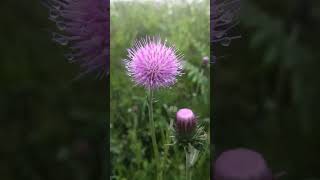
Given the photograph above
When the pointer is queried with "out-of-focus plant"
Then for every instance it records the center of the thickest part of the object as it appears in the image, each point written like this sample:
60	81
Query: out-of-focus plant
224	17
282	49
83	26
281	71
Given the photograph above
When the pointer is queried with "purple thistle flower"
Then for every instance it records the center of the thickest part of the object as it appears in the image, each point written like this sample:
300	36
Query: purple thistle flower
152	64
224	17
84	26
186	122
241	164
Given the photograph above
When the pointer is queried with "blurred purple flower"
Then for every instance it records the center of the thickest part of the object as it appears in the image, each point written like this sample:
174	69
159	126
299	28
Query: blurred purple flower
241	164
84	26
224	17
186	122
152	64
205	60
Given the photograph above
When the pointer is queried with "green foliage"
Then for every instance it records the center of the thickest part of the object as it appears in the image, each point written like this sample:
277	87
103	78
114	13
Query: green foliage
186	26
271	87
199	77
282	49
52	125
270	34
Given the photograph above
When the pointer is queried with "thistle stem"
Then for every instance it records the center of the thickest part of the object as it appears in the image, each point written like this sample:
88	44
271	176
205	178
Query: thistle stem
187	168
153	136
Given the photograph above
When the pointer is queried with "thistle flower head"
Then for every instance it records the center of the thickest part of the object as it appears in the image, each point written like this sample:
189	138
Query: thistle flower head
84	26
186	121
152	64
241	164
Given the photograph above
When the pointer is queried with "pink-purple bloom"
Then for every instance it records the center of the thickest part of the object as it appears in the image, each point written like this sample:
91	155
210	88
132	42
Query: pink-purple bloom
241	164
153	64
84	27
186	122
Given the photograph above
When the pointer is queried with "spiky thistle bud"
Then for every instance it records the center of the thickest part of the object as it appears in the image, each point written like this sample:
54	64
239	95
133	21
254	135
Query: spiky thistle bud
188	131
186	122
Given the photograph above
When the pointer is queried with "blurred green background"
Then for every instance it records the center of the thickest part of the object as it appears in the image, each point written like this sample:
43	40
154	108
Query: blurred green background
267	88
52	125
186	26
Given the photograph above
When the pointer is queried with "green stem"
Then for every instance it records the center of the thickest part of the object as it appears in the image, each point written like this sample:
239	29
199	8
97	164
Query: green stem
187	169
165	153
153	136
